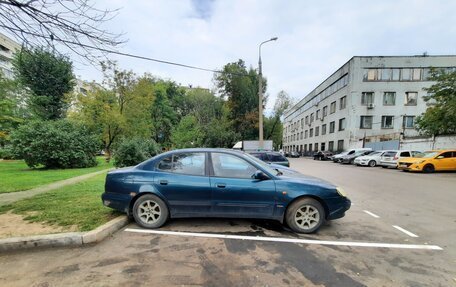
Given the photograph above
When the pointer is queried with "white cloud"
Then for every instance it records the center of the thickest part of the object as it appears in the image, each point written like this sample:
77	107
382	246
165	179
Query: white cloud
314	38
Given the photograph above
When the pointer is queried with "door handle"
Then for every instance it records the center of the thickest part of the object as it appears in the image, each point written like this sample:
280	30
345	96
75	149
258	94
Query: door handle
163	182
221	185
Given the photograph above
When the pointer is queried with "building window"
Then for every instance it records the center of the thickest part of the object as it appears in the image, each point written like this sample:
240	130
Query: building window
372	74
332	127
396	74
302	123
311	118
317	115
387	122
305	134
366	122
311	133
343	102
316	147
332	108
405	74
307	120
411	98
342	124
331	146
416	74
310	147
325	111
317	131
340	145
385	74
302	134
409	122
322	146
323	129
305	147
389	98
367	98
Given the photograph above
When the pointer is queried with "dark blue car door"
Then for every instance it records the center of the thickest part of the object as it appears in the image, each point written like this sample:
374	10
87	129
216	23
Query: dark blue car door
182	179
235	193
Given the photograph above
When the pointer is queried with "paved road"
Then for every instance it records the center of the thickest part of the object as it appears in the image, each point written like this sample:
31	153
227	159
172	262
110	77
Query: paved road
420	204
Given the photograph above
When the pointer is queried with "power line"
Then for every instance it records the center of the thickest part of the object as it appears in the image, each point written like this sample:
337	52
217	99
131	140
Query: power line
54	38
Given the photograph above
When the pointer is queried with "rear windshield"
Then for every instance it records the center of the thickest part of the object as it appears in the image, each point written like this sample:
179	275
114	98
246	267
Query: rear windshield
277	157
389	153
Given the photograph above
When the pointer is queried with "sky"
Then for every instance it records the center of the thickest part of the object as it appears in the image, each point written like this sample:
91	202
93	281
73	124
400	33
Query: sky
315	38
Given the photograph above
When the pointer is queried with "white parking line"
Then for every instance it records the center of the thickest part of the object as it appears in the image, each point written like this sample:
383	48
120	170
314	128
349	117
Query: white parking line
288	240
405	231
371	214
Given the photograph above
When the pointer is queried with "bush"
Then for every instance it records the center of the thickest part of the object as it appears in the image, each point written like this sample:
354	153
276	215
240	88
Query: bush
131	151
55	144
6	153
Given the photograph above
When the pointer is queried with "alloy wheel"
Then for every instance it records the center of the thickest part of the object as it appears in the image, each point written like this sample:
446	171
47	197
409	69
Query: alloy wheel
149	212
307	217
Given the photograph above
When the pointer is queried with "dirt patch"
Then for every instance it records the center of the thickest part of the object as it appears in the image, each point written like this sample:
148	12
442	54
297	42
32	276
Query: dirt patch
13	225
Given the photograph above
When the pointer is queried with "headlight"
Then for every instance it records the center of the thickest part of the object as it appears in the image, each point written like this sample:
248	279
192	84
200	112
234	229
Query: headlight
341	192
418	162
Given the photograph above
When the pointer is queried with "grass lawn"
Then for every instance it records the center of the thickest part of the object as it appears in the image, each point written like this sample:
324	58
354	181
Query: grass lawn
78	204
15	175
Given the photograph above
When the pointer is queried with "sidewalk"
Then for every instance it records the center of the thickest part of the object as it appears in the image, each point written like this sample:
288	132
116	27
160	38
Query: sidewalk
8	198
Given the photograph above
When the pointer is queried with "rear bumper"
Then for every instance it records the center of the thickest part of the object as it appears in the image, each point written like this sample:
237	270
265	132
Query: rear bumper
388	164
116	201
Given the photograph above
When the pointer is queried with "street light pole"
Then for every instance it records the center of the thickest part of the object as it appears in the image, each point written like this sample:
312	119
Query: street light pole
260	94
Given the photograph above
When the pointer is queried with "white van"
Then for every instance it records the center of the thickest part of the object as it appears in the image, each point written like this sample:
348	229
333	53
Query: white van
337	157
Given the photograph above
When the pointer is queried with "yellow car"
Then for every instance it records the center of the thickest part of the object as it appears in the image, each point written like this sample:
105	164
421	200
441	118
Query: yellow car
429	161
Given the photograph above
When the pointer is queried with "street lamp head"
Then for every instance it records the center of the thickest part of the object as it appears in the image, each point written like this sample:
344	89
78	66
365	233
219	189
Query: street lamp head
274	39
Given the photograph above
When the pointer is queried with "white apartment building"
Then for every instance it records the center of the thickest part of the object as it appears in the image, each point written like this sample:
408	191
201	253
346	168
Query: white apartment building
7	49
368	99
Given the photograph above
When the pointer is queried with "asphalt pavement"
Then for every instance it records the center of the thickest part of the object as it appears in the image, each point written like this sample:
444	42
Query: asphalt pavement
401	231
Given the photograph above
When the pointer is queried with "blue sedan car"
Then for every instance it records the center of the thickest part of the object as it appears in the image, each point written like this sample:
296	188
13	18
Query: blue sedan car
221	183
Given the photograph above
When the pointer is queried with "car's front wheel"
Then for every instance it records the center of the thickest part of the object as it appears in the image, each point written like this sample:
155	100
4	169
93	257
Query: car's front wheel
372	163
305	215
150	211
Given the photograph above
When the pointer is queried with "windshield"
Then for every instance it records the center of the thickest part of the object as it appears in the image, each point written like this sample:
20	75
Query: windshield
264	165
427	154
375	153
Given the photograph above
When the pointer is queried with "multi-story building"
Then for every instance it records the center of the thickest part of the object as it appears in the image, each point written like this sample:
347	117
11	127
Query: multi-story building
7	49
367	99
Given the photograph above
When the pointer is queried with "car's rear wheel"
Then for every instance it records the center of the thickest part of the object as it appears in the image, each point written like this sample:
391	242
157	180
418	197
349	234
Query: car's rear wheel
429	168
305	215
150	211
372	163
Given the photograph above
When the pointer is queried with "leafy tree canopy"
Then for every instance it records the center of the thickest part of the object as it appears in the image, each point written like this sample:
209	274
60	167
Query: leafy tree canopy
440	117
48	76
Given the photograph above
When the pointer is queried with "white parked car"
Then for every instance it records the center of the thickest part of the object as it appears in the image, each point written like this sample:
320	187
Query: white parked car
390	158
338	157
372	159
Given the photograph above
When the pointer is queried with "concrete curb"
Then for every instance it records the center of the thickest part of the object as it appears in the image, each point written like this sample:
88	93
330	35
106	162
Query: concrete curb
64	239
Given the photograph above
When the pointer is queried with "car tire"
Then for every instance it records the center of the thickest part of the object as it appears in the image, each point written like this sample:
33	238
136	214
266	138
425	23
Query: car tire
384	166
305	215
372	163
429	168
150	211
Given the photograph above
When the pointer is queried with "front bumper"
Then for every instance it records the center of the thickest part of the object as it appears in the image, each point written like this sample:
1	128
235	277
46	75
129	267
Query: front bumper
339	209
410	167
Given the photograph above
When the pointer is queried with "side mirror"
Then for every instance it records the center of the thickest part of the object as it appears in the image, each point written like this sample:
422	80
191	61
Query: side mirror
439	157
260	175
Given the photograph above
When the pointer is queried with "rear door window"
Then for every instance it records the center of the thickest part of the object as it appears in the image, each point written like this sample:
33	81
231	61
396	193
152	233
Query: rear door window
184	163
405	154
389	154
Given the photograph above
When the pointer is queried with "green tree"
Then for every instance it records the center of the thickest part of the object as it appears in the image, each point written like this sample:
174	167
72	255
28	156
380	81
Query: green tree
99	110
163	115
440	117
273	129
187	133
12	113
240	87
49	77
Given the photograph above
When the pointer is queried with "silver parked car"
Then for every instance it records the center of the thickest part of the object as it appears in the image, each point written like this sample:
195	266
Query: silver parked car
390	158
